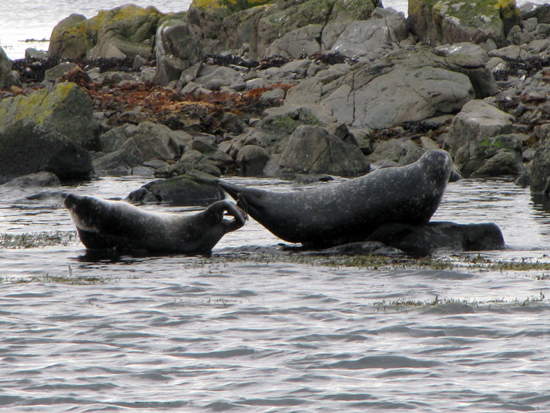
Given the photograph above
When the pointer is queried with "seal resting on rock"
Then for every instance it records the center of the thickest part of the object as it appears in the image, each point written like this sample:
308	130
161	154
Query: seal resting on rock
103	224
350	211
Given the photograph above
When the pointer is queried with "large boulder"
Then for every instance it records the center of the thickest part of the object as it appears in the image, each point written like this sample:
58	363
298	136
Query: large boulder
313	150
27	147
7	78
66	108
71	38
152	140
488	157
123	32
477	120
373	37
453	21
177	48
409	85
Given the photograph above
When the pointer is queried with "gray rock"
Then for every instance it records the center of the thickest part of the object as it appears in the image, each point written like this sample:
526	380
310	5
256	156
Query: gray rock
477	120
402	151
153	140
423	240
177	48
117	163
32	53
303	41
7	78
251	160
401	95
454	21
185	190
312	149
39	179
70	38
540	168
125	31
489	157
44	150
58	71
380	33
66	108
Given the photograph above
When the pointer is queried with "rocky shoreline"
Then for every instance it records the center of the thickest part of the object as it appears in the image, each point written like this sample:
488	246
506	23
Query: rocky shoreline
288	89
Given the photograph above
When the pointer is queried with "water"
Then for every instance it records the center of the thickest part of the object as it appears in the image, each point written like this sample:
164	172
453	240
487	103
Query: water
35	19
256	335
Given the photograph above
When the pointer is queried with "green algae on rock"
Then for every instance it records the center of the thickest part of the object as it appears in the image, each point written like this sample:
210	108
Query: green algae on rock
453	21
66	108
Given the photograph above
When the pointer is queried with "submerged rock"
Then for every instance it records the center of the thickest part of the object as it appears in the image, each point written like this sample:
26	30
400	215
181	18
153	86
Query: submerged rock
183	190
423	240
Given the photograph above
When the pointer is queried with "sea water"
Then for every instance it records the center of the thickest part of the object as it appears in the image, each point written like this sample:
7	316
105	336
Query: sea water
254	333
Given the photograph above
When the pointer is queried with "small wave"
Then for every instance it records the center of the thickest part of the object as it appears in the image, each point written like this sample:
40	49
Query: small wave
382	362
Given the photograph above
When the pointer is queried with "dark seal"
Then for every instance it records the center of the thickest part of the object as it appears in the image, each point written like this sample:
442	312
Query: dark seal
103	224
350	211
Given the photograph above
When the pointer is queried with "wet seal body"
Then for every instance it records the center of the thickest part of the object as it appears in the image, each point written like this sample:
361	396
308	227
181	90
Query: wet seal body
118	225
350	211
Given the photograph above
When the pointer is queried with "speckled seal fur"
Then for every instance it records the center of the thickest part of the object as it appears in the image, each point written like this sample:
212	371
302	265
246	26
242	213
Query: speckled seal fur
103	224
350	211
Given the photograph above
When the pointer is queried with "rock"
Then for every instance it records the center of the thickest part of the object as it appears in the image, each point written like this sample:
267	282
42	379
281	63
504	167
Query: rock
66	108
489	157
185	190
303	41
153	140
312	149
477	120
28	147
251	160
423	240
540	168
285	119
177	48
39	179
125	31
402	95
71	37
402	151
52	74
7	78
454	21
372	37
118	163
471	60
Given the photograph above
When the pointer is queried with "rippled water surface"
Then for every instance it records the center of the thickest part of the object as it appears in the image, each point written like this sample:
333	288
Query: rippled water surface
257	334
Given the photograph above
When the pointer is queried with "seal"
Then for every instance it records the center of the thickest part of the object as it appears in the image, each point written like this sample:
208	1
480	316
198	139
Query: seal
351	210
103	224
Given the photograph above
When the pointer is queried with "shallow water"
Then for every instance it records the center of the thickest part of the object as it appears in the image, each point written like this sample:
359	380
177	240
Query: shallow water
262	335
30	20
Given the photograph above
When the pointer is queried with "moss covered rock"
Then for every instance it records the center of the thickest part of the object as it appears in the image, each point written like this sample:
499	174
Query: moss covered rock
125	31
453	21
71	37
66	108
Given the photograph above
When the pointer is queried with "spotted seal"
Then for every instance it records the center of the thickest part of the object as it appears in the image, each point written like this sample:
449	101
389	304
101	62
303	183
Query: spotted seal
103	224
351	210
